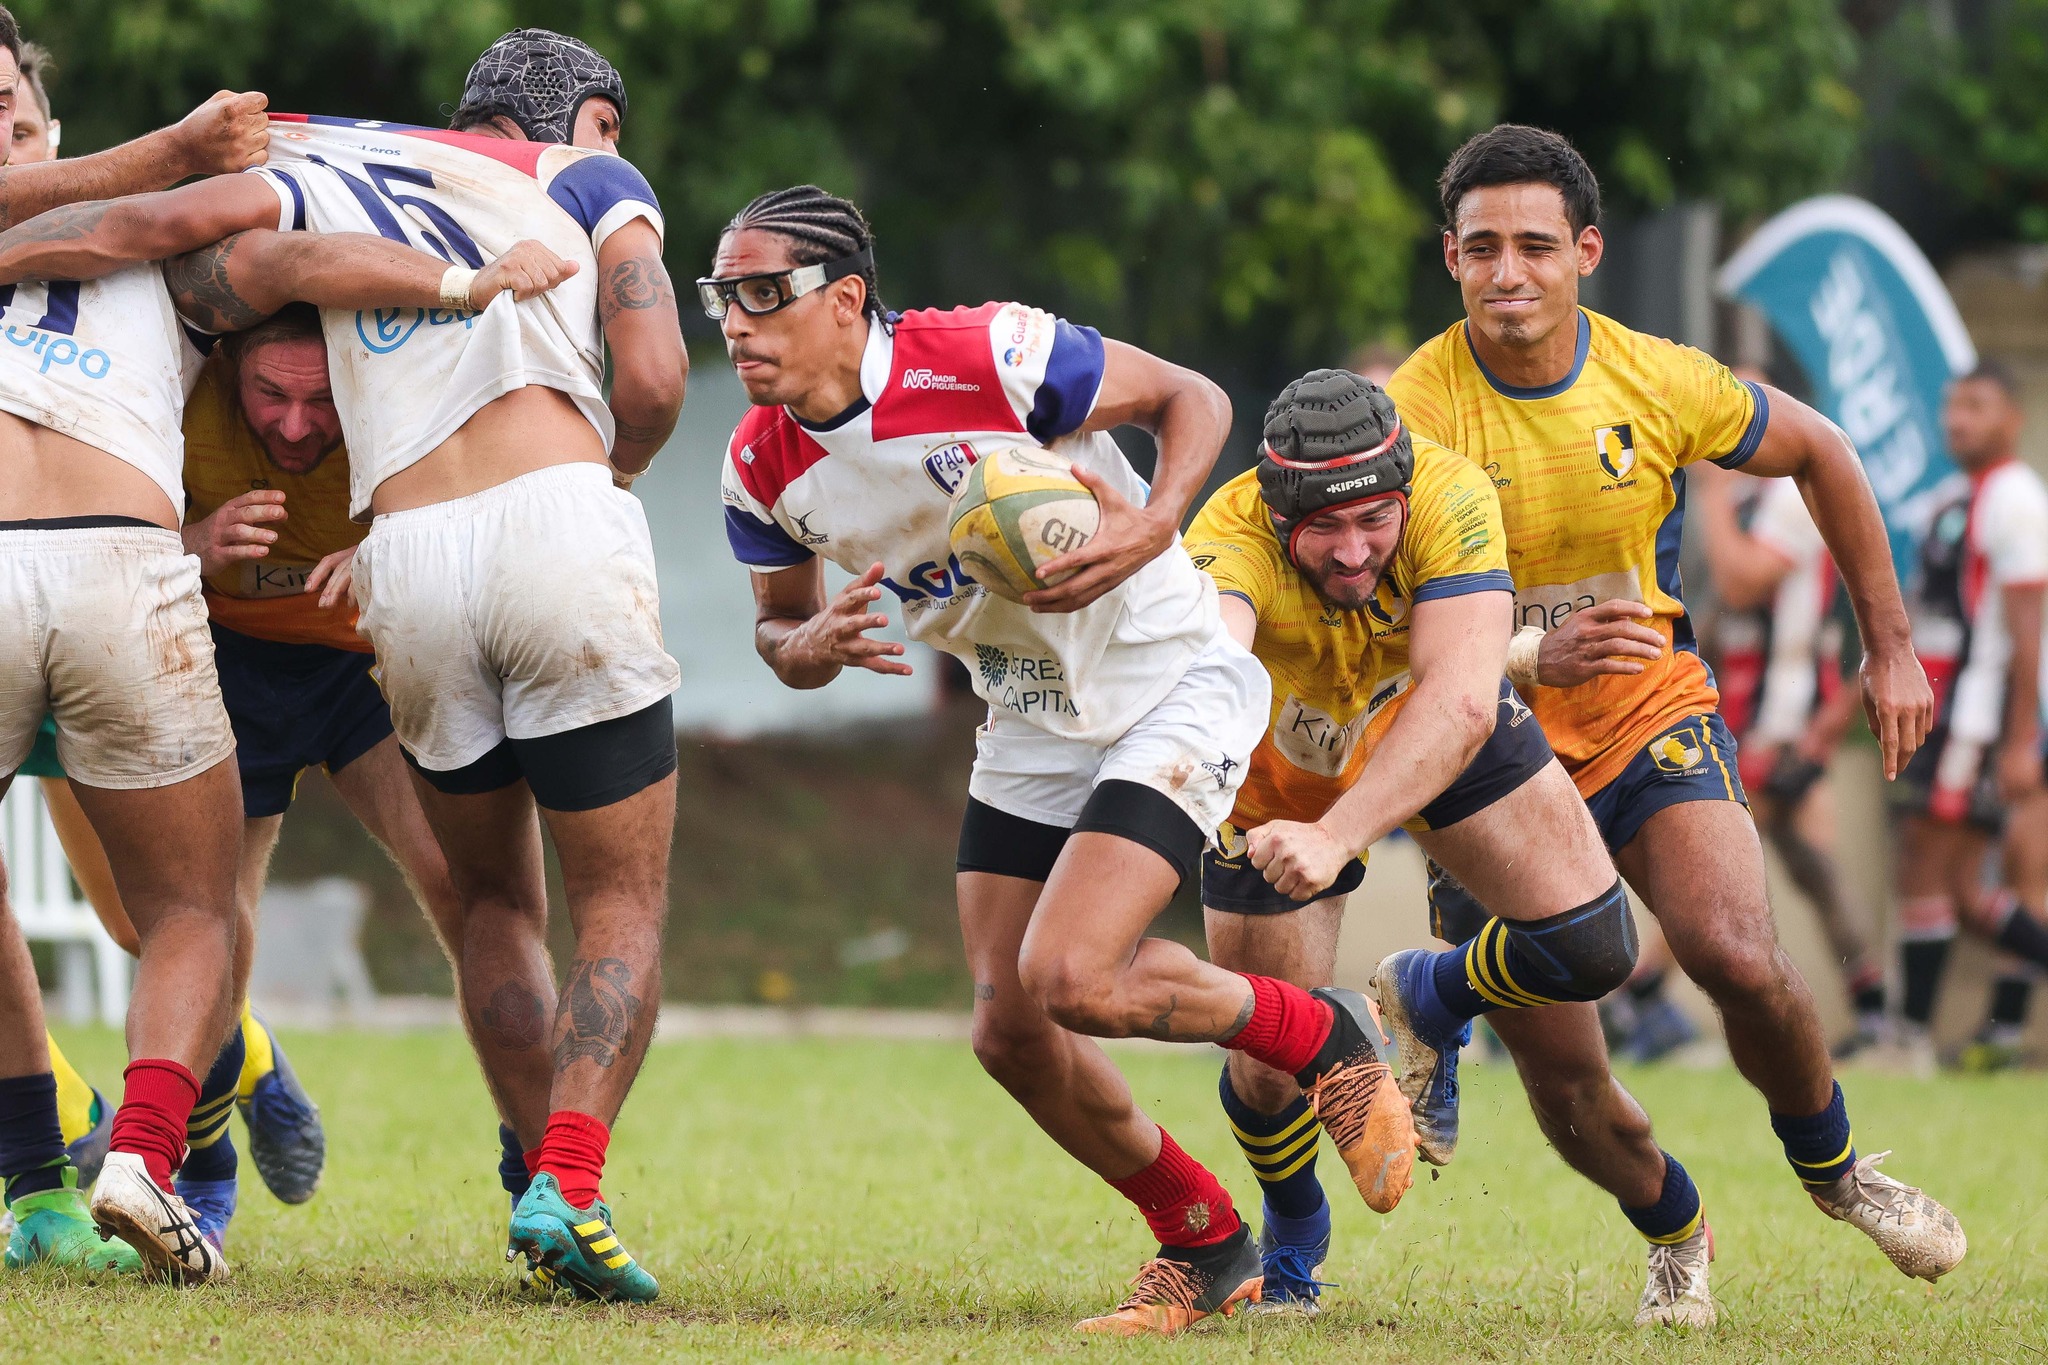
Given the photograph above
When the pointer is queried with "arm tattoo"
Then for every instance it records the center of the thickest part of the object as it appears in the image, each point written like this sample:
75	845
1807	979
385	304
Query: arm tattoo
632	285
514	1017
66	224
596	1016
205	293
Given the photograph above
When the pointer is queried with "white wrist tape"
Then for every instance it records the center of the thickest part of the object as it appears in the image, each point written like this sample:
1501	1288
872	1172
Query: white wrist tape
456	283
1522	651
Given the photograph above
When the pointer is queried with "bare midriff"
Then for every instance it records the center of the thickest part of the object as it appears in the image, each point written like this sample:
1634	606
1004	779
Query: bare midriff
528	429
46	474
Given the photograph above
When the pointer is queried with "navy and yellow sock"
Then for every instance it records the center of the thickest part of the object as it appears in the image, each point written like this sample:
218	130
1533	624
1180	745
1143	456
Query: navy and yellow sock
212	1156
259	1056
1676	1215
1578	954
1820	1146
78	1107
1281	1149
31	1138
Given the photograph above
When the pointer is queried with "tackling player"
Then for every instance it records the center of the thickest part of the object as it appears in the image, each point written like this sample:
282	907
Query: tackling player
1367	570
109	636
1585	428
507	584
1121	716
1977	619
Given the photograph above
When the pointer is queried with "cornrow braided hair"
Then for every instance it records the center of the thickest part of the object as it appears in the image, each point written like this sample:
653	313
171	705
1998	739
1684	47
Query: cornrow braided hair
820	227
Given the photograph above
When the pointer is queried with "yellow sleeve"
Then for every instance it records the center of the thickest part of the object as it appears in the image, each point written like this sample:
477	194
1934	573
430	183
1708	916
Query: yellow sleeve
1723	418
1421	396
1239	554
1455	541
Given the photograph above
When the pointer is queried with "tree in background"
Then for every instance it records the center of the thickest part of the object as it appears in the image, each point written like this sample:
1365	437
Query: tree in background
1972	108
1242	183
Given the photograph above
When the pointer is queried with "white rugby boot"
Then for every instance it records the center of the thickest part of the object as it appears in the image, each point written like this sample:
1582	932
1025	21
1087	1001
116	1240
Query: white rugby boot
127	1204
1676	1294
1922	1238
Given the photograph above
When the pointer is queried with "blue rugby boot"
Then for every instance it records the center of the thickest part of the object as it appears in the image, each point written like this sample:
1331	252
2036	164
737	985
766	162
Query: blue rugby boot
286	1140
1428	1056
1292	1251
575	1249
212	1203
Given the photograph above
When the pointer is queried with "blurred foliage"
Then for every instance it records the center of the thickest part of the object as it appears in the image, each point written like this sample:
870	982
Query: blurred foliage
1973	109
1252	178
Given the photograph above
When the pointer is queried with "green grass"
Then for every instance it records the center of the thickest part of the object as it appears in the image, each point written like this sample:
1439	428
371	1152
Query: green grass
886	1201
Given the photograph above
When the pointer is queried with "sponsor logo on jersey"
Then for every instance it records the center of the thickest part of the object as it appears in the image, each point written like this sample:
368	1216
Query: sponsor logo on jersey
1616	447
1022	683
47	351
1500	480
1549	605
948	466
1312	740
1014	356
1677	752
922	378
384	330
804	534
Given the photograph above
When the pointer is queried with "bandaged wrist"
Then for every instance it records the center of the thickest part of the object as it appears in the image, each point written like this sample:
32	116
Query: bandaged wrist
456	282
1523	650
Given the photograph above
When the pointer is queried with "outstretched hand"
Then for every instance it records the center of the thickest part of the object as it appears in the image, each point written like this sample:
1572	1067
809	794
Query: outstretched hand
236	530
837	636
1126	539
527	270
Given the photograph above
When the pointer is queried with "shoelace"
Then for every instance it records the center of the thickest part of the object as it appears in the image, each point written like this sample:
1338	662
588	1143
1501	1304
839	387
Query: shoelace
1670	1276
1892	1198
1162	1282
1342	1097
1288	1271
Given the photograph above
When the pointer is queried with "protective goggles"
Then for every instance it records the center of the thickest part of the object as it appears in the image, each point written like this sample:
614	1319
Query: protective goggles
759	295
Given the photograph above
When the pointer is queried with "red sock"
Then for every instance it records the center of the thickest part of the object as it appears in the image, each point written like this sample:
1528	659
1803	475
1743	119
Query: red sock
1287	1028
1182	1203
156	1103
572	1151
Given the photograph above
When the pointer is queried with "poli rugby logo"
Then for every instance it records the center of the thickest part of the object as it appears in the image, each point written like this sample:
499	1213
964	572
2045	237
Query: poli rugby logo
948	466
1616	447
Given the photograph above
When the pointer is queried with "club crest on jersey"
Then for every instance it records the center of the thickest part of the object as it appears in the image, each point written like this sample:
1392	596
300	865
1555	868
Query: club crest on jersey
948	466
1616	447
1677	752
1390	614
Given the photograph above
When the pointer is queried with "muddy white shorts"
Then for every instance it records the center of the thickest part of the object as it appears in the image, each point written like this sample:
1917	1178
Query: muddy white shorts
519	612
1193	748
103	629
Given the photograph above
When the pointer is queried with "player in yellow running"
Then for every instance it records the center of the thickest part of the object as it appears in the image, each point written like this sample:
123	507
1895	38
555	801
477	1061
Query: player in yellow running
1585	429
1368	573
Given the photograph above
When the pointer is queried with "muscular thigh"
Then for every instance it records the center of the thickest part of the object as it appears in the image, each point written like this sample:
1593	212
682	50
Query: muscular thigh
995	913
1699	867
1295	945
1534	853
173	846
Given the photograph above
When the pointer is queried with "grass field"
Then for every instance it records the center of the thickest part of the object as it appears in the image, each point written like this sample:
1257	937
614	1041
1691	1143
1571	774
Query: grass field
885	1201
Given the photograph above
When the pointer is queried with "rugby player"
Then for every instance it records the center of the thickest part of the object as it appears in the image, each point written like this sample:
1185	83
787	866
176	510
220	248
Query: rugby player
506	583
1585	428
1121	716
252	1072
38	1090
109	636
1977	620
1781	639
1367	570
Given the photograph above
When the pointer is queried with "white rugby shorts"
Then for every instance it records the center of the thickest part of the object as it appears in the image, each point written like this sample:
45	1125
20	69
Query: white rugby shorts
528	609
1193	747
103	628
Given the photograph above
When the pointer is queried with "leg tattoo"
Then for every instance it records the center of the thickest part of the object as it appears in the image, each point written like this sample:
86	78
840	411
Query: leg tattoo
597	1013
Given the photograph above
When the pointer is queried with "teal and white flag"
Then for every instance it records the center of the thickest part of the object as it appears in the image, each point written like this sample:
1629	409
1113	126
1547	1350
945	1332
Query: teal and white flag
1877	334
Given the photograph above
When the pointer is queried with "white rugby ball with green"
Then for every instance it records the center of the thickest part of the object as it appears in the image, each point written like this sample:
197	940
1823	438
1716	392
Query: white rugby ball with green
1019	508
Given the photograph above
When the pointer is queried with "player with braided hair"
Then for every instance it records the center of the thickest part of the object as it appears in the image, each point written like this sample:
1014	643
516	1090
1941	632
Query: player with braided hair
1121	716
1366	568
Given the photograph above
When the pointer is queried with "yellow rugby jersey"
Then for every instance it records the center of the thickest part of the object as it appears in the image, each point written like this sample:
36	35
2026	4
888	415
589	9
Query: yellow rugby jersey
1340	677
266	597
1592	488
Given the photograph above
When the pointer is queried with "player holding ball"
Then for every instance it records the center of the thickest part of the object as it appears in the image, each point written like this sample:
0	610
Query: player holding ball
1121	715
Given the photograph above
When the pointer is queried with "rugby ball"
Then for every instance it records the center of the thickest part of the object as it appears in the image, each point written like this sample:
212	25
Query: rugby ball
1020	507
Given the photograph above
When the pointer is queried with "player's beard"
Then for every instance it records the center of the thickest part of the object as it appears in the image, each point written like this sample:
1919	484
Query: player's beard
1350	596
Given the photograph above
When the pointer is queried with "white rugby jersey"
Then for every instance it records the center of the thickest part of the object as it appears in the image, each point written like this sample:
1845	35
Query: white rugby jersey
1990	536
105	362
1799	608
875	484
405	379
